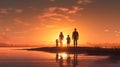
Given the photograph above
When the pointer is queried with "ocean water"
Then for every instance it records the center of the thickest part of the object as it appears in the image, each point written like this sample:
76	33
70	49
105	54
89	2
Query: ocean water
15	57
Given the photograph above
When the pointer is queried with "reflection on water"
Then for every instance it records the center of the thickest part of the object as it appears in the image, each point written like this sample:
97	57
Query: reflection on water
68	59
10	57
64	59
77	60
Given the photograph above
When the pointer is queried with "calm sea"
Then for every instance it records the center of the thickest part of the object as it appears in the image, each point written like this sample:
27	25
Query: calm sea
15	57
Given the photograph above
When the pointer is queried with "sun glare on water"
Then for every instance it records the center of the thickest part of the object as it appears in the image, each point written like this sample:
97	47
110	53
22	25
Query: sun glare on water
64	55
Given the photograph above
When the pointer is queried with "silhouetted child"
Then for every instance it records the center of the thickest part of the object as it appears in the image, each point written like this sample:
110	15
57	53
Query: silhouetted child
68	41
56	42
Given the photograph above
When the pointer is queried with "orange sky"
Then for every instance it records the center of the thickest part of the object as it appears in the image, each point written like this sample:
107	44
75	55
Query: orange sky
41	21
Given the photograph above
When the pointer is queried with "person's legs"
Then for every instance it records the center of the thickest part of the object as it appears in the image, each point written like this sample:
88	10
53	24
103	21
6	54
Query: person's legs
67	44
56	44
74	42
61	43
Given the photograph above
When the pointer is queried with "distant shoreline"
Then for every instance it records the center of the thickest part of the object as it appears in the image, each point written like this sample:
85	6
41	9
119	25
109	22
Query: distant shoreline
79	50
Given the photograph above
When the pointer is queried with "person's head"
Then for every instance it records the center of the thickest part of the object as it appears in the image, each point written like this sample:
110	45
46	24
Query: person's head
60	32
75	29
68	35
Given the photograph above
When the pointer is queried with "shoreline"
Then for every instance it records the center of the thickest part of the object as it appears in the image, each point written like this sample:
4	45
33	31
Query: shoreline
80	50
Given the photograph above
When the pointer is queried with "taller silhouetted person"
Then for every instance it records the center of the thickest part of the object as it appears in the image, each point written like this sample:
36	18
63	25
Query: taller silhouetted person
75	37
61	37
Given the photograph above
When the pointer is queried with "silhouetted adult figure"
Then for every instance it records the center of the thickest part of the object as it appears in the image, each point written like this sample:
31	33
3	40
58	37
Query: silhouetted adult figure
75	37
61	37
68	40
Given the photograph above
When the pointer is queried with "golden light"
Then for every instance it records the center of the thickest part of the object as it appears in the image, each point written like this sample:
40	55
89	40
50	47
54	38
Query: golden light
64	55
65	42
50	38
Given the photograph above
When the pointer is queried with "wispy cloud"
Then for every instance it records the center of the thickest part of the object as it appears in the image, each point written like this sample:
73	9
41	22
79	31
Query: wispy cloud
72	10
8	29
59	16
106	30
75	10
51	9
20	32
117	32
19	10
20	21
4	11
10	10
84	1
3	37
50	26
17	20
54	17
63	9
52	0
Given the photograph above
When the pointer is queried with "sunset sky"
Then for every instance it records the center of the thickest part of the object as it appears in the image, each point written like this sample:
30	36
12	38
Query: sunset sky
41	21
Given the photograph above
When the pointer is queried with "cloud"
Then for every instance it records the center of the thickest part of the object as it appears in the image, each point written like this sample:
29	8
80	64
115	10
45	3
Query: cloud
20	21
117	32
84	1
50	26
106	30
52	0
63	9
3	37
52	9
75	10
54	17
9	10
7	29
19	10
17	20
4	11
20	32
36	28
57	15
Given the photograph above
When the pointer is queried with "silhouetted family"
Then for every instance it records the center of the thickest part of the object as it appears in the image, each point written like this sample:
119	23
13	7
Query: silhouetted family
75	37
